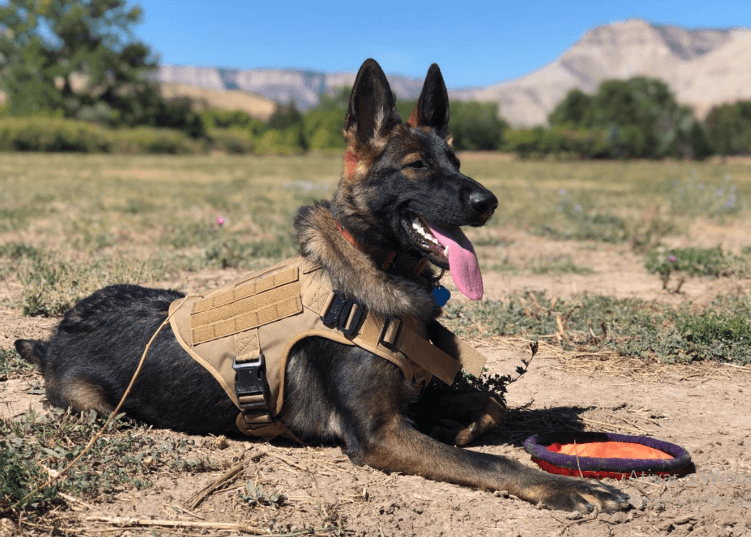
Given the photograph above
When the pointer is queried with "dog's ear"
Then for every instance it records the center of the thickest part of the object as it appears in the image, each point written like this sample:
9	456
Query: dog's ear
372	107
432	109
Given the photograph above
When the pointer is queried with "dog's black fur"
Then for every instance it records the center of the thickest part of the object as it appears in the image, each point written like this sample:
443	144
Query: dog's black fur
333	392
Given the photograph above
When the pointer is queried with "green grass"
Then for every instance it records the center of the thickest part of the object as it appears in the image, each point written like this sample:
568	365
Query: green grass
612	201
125	458
11	364
630	327
544	265
695	262
557	265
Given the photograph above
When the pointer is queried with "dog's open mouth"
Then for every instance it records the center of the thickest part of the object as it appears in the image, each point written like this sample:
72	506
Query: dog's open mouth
423	237
448	247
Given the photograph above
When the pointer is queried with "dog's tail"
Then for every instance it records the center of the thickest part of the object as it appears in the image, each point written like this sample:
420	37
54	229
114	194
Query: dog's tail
34	351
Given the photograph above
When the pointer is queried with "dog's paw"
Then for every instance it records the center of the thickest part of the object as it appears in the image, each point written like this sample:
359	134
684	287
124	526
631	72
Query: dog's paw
457	434
584	495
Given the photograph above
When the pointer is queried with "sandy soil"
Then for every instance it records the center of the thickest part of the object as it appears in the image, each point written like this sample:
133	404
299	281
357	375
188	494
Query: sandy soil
702	408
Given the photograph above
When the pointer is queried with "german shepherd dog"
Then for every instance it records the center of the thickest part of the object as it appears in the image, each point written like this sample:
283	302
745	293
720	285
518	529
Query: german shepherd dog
401	191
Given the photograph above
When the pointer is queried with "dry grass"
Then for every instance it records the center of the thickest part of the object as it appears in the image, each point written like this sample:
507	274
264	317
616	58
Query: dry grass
255	105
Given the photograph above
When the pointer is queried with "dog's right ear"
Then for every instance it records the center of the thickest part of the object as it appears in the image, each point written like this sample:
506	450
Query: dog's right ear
372	107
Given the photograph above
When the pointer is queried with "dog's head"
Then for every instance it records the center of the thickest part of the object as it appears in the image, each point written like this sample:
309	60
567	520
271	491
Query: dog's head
401	188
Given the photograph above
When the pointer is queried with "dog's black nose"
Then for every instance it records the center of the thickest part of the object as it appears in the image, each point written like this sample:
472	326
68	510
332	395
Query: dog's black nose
483	202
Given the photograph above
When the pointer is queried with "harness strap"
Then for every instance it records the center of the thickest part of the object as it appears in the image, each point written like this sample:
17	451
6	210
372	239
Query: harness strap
393	334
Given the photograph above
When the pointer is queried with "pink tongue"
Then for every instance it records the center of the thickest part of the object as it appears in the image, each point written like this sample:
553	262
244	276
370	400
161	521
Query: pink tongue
465	271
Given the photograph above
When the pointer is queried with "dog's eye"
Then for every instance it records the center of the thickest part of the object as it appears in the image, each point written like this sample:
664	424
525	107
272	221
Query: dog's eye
416	164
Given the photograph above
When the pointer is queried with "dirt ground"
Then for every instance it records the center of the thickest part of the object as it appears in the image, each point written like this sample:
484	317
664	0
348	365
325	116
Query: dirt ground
703	408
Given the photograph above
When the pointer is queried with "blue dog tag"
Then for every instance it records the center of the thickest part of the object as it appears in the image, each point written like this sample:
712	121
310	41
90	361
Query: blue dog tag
441	295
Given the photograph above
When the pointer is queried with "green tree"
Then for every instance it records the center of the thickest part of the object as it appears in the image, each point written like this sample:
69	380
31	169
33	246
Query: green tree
338	101
575	110
475	125
405	108
323	123
729	128
639	116
285	116
80	59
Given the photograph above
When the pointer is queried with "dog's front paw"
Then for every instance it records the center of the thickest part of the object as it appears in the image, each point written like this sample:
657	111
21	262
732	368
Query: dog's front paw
453	433
584	495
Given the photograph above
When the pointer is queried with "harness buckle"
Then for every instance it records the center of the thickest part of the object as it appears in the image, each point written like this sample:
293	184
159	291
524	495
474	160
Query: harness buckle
344	313
250	383
390	332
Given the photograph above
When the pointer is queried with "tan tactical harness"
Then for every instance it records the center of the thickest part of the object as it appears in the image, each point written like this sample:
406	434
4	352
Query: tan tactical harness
242	334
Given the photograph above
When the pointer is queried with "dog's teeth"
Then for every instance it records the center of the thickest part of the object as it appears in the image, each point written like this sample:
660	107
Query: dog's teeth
424	233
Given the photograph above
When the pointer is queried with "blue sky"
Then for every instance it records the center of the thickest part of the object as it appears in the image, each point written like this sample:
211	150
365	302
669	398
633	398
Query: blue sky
475	43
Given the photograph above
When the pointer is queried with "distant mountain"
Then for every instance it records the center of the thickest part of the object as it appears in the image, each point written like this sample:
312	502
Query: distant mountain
280	85
703	67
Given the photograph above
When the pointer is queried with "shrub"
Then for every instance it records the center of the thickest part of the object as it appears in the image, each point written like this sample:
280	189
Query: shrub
231	119
56	134
51	134
40	133
280	141
153	141
525	142
237	141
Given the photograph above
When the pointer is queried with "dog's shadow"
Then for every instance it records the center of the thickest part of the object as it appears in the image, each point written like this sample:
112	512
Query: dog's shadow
518	425
521	423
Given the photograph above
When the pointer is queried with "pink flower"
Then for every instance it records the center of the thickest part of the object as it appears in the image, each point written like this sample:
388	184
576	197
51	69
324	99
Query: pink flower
671	259
220	221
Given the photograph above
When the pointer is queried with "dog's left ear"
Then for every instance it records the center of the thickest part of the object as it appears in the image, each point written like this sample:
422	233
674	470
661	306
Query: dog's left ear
372	108
432	109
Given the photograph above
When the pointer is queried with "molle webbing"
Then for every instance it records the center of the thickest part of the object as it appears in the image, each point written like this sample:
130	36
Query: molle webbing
242	334
246	307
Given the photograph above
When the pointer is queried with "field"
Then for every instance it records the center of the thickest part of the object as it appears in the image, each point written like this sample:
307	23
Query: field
632	276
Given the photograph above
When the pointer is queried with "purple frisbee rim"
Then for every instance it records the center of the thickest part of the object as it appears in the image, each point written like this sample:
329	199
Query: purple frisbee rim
537	446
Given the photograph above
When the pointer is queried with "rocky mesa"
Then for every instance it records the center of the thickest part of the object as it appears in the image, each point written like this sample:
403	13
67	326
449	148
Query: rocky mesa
704	67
